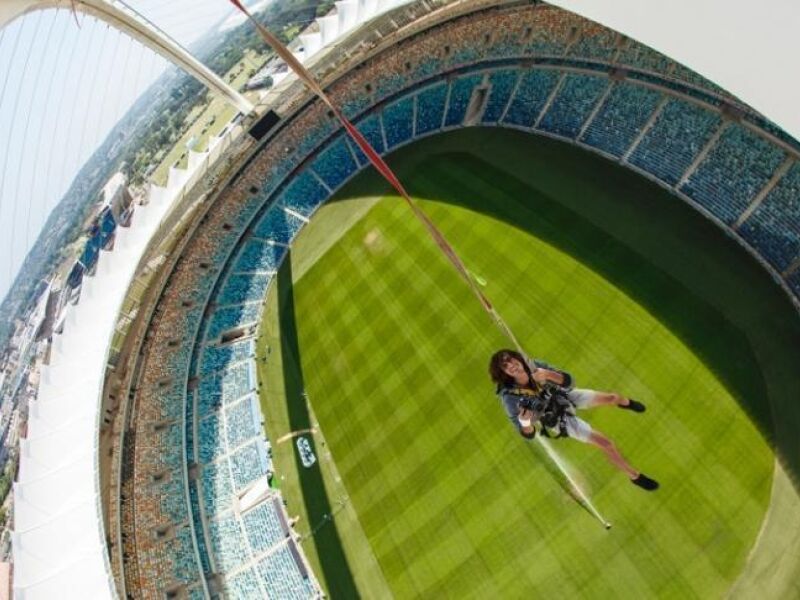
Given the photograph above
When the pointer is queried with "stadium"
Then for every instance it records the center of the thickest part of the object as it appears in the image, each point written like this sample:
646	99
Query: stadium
269	382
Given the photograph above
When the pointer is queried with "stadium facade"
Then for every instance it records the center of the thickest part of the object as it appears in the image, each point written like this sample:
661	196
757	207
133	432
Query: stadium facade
182	508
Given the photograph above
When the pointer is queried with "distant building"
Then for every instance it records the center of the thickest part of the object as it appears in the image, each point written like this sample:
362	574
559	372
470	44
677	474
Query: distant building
117	197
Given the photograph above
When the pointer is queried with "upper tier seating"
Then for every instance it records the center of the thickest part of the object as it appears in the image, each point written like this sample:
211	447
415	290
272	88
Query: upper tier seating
677	136
624	113
572	104
774	226
733	172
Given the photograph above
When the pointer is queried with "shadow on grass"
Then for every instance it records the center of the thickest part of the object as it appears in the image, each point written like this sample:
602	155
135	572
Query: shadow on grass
326	538
640	238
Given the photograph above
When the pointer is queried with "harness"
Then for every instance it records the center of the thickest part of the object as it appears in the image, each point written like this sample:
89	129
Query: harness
550	405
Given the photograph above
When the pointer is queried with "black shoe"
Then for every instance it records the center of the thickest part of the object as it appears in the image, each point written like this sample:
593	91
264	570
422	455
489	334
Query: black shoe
633	405
644	482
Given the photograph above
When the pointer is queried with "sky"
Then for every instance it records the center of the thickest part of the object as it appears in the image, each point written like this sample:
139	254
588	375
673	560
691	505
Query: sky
65	81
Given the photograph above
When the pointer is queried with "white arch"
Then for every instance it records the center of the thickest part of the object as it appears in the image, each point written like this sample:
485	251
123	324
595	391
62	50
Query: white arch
127	20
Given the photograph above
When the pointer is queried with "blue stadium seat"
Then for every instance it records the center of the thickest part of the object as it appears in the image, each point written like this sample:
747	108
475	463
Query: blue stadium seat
733	172
258	256
246	466
304	194
625	111
242	422
227	542
532	93
335	164
278	225
573	103
774	226
263	527
243	585
398	121
430	108
460	94
502	86
677	136
282	576
370	128
250	287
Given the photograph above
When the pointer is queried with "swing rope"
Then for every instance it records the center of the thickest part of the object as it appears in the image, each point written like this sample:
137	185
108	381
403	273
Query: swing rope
447	249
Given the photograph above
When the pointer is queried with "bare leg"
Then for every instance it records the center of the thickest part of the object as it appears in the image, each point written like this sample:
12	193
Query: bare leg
609	398
610	450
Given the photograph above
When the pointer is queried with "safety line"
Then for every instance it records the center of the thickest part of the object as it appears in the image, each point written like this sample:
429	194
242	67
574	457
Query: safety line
378	162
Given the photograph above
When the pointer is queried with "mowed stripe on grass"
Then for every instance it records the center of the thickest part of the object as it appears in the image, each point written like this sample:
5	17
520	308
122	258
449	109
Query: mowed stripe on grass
394	353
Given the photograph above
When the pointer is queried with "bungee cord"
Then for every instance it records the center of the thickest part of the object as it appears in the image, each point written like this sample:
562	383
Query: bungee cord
439	239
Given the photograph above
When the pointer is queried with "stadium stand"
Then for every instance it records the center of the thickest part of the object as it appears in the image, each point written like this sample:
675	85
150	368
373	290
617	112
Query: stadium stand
624	113
794	282
679	133
398	122
460	93
774	226
333	166
534	89
595	42
502	86
430	109
574	101
197	420
733	172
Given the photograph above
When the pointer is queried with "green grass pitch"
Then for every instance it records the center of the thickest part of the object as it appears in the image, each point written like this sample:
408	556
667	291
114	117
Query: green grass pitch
423	489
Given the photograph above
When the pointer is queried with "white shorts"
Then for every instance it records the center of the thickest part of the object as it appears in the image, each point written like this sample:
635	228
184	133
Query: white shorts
576	427
582	398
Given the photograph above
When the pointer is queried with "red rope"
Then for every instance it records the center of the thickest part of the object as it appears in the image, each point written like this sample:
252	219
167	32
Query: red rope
378	162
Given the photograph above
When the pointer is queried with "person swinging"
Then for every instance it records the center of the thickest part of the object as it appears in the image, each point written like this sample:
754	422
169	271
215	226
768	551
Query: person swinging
534	393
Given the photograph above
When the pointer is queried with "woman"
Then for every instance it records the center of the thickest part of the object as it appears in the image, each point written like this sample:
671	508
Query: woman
522	386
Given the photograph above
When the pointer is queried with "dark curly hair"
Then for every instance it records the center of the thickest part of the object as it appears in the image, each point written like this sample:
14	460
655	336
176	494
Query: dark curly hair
500	358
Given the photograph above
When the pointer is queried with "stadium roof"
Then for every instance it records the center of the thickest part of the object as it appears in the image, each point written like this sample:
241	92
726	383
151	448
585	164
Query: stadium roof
748	49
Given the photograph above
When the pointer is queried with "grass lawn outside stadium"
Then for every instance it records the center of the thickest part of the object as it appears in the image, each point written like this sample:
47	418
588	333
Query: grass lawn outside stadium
423	489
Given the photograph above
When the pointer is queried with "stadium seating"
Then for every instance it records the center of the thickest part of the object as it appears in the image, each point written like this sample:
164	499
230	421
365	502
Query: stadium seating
398	122
282	577
227	541
246	465
502	86
621	118
430	109
679	133
638	56
240	289
733	172
216	358
460	93
793	281
595	42
242	422
263	527
243	585
258	256
370	128
774	226
531	95
572	104
209	436
334	165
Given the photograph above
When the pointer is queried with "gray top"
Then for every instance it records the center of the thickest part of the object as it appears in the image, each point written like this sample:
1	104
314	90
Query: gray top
510	401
